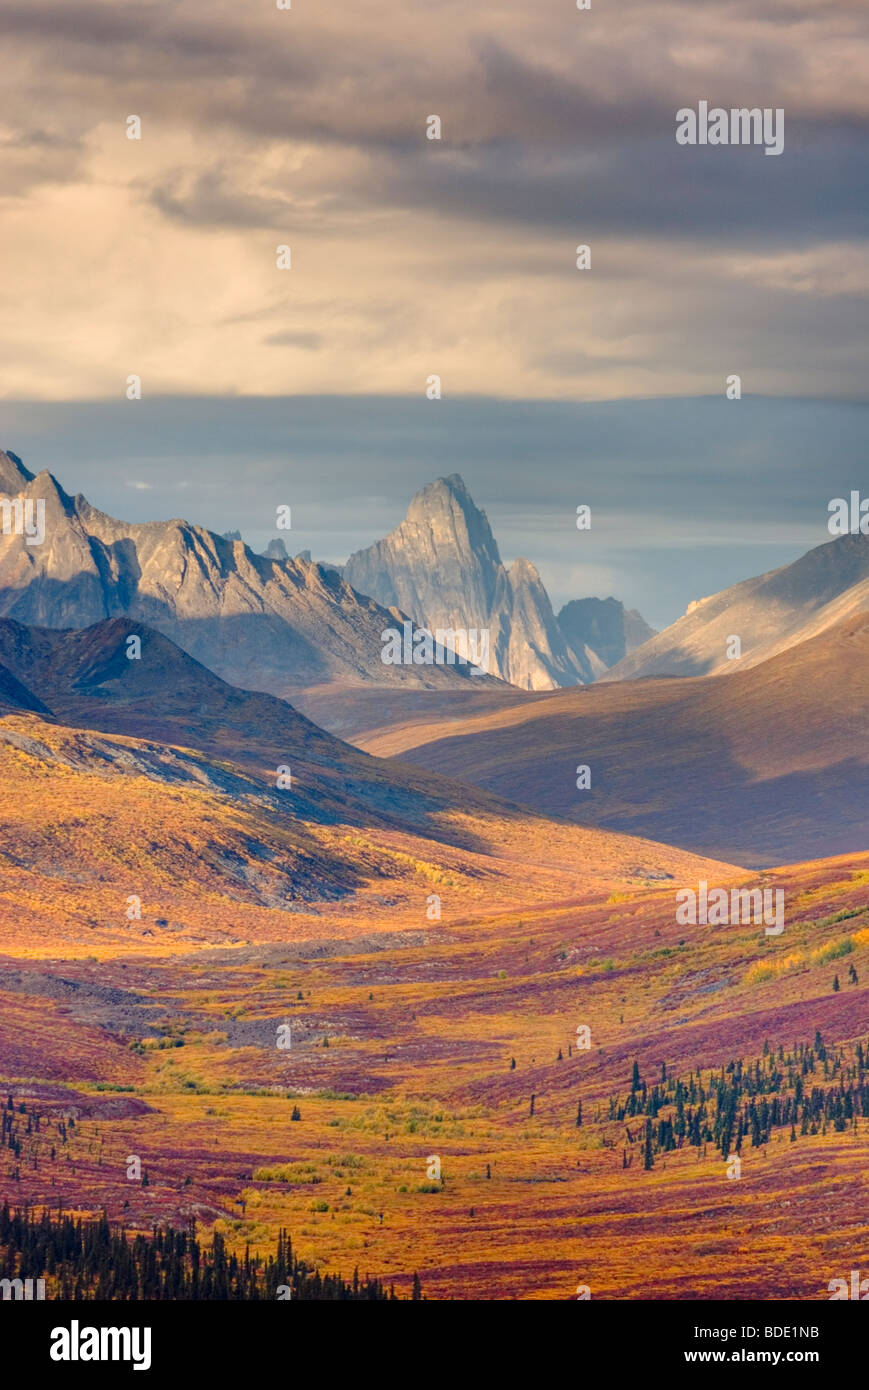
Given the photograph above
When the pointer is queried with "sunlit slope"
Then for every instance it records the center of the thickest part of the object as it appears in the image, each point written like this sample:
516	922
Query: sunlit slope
461	1045
769	614
767	765
110	843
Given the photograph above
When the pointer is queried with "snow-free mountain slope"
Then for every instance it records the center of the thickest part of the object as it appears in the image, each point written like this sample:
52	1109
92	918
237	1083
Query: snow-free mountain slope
768	614
442	566
766	766
261	622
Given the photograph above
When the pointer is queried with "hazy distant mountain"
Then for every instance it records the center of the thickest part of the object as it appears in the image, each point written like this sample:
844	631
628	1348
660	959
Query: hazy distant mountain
603	627
768	614
442	566
767	766
265	624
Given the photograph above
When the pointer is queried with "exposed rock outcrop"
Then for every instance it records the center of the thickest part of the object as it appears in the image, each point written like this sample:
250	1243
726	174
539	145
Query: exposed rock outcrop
271	624
442	566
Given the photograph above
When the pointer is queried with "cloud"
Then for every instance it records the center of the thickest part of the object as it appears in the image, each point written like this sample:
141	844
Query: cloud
208	201
410	256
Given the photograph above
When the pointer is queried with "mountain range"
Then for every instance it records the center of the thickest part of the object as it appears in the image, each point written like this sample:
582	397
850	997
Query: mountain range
278	623
443	567
753	758
262	622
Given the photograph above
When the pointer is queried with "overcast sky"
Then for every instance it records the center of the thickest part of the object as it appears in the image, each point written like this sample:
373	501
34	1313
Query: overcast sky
263	127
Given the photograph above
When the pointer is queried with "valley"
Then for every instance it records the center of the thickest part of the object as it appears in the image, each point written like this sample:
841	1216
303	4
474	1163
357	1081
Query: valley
453	1049
376	968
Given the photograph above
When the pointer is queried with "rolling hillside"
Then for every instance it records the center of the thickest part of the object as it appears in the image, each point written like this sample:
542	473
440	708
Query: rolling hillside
460	1045
767	765
769	614
154	778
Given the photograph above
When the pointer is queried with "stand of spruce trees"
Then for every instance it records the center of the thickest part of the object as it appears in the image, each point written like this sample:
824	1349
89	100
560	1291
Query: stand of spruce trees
91	1260
807	1089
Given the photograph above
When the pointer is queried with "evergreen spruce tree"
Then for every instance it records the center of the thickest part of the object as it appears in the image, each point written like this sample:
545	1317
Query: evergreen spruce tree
648	1158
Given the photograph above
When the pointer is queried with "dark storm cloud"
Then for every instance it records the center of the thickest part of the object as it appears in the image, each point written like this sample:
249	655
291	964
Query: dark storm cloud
652	186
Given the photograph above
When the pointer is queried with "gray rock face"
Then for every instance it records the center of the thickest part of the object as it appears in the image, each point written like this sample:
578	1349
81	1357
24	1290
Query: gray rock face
768	614
442	566
264	624
603	628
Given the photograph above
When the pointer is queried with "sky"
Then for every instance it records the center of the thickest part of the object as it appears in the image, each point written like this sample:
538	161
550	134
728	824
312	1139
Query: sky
409	257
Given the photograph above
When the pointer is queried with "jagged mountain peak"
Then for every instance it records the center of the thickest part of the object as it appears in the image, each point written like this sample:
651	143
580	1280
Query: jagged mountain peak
16	480
447	509
13	475
263	623
524	569
450	487
442	566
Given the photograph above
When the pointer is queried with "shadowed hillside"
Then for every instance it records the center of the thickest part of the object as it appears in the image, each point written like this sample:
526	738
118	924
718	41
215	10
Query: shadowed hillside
766	765
233	818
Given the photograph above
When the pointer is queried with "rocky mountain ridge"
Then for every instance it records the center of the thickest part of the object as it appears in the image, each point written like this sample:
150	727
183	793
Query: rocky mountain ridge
767	614
443	567
264	623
